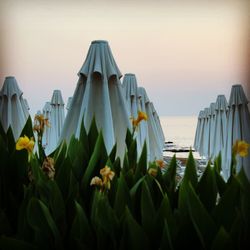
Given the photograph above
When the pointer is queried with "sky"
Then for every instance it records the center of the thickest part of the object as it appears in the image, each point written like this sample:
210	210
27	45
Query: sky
184	53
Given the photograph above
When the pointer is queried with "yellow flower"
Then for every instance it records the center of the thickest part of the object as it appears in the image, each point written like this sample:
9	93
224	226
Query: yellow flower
39	118
241	148
160	163
107	174
48	167
141	116
104	183
25	143
153	172
96	181
40	122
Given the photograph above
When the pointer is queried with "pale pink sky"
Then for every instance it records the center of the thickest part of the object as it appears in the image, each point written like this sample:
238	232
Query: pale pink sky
183	54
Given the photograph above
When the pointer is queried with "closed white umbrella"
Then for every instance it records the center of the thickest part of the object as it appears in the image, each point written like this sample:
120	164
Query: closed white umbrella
204	134
99	94
198	131
56	121
155	144
26	104
143	125
158	125
26	108
69	103
238	128
201	133
130	90
220	134
129	85
47	115
212	130
12	109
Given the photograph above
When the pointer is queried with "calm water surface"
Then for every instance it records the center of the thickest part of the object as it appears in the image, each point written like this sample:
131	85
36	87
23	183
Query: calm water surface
180	130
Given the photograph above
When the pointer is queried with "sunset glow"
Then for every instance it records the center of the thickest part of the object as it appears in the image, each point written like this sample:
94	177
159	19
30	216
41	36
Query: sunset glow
177	51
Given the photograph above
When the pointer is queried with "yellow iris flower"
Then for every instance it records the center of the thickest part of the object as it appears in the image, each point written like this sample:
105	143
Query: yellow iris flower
25	143
106	173
40	123
153	172
104	183
241	148
97	181
141	116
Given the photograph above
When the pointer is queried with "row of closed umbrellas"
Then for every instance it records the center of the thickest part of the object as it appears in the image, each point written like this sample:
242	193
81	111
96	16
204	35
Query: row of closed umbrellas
219	127
54	112
14	109
150	130
99	94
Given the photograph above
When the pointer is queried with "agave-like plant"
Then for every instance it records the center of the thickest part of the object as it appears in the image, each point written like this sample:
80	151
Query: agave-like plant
138	209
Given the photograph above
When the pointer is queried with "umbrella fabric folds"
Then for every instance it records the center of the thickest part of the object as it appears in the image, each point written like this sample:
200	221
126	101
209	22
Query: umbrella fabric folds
212	130
155	144
220	134
158	125
198	131
129	85
203	133
143	126
69	103
206	133
130	91
238	128
99	95
26	108
13	112
203	141
56	121
47	115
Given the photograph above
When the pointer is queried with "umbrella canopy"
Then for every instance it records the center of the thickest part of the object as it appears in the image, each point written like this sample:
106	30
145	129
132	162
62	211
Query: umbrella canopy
212	130
47	115
158	125
204	134
143	126
220	133
26	104
69	103
130	91
238	128
99	94
155	144
200	143
13	112
56	121
207	130
198	131
26	108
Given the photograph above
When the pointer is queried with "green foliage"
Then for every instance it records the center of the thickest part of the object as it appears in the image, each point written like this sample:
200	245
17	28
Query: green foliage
28	128
140	211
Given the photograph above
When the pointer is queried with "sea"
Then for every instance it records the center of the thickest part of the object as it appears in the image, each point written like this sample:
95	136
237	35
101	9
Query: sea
181	131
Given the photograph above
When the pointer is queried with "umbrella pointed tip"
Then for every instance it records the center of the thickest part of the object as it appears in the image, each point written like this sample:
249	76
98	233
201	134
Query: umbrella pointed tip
99	41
